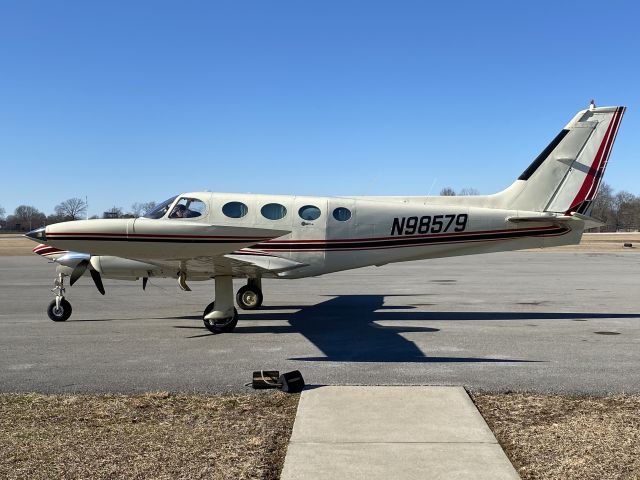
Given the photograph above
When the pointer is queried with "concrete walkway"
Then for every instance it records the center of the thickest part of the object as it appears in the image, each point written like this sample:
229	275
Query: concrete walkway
392	432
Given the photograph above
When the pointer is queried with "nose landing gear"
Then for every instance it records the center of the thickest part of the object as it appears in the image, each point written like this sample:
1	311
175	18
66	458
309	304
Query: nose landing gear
59	310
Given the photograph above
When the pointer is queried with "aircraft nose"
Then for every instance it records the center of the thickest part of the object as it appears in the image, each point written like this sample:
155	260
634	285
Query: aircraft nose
39	234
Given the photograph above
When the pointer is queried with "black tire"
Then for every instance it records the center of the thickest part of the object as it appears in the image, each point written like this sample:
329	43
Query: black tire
249	298
61	314
219	326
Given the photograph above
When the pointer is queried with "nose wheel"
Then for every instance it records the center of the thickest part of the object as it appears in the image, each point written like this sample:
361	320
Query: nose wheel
59	309
59	313
249	297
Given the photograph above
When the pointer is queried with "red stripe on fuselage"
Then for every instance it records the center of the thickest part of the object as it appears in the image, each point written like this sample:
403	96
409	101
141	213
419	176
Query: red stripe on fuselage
145	235
399	237
300	241
413	245
46	250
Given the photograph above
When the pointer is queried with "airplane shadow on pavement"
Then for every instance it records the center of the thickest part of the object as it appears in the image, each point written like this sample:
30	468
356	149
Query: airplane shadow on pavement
345	329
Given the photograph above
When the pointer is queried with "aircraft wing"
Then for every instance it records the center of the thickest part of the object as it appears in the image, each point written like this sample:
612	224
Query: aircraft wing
146	239
245	262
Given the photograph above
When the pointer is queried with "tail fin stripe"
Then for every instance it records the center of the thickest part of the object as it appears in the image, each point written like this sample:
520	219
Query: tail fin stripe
596	185
595	172
539	160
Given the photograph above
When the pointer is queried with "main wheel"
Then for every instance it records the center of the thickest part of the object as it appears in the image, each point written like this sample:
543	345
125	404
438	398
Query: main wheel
224	325
249	298
59	314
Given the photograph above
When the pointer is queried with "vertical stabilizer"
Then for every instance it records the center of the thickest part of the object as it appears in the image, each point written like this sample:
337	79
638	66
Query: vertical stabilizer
566	176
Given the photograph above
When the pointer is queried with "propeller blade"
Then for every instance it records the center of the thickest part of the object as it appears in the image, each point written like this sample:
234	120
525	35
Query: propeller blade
144	282
182	282
97	279
77	272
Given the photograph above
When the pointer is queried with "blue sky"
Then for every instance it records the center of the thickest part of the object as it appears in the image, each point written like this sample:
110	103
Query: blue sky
128	101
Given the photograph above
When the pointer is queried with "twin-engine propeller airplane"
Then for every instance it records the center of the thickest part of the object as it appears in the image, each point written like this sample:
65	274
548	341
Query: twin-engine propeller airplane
201	236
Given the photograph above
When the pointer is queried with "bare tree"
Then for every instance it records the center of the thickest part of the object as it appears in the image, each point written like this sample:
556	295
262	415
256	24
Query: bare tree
26	216
71	209
468	191
139	209
448	192
55	218
2	213
604	209
626	207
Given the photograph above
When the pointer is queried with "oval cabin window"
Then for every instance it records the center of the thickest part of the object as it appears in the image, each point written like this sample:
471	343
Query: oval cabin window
309	212
342	214
235	209
273	211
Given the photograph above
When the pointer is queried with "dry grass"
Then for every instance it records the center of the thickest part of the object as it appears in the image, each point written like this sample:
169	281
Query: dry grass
245	436
560	437
147	436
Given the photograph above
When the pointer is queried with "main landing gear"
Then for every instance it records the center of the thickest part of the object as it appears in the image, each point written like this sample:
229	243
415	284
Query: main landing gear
250	296
221	316
59	309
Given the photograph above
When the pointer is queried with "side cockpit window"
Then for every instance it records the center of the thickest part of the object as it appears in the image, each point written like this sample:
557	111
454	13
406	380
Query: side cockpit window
188	208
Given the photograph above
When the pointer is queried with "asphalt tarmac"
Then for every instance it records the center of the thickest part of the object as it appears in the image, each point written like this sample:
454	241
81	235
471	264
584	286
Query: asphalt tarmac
519	321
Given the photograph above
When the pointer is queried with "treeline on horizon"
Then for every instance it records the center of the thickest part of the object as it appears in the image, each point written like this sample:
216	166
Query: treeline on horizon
27	217
619	210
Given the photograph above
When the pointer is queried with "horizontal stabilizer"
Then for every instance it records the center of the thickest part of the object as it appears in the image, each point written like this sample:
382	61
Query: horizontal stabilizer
538	219
589	222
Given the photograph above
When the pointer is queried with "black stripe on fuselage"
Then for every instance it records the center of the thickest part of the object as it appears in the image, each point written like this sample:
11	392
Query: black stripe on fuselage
543	156
412	242
337	245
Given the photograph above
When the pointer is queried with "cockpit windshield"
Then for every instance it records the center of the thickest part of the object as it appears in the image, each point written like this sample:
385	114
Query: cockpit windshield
160	210
188	208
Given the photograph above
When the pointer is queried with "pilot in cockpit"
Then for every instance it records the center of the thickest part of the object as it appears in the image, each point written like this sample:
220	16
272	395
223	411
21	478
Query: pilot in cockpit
180	211
185	208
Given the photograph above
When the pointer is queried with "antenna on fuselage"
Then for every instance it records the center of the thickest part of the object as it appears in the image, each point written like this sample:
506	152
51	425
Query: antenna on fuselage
431	187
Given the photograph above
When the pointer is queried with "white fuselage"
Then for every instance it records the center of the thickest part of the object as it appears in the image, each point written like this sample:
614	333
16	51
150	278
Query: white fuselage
375	231
382	231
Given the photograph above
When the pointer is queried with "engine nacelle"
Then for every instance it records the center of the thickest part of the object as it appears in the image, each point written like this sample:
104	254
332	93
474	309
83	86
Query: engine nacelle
125	269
